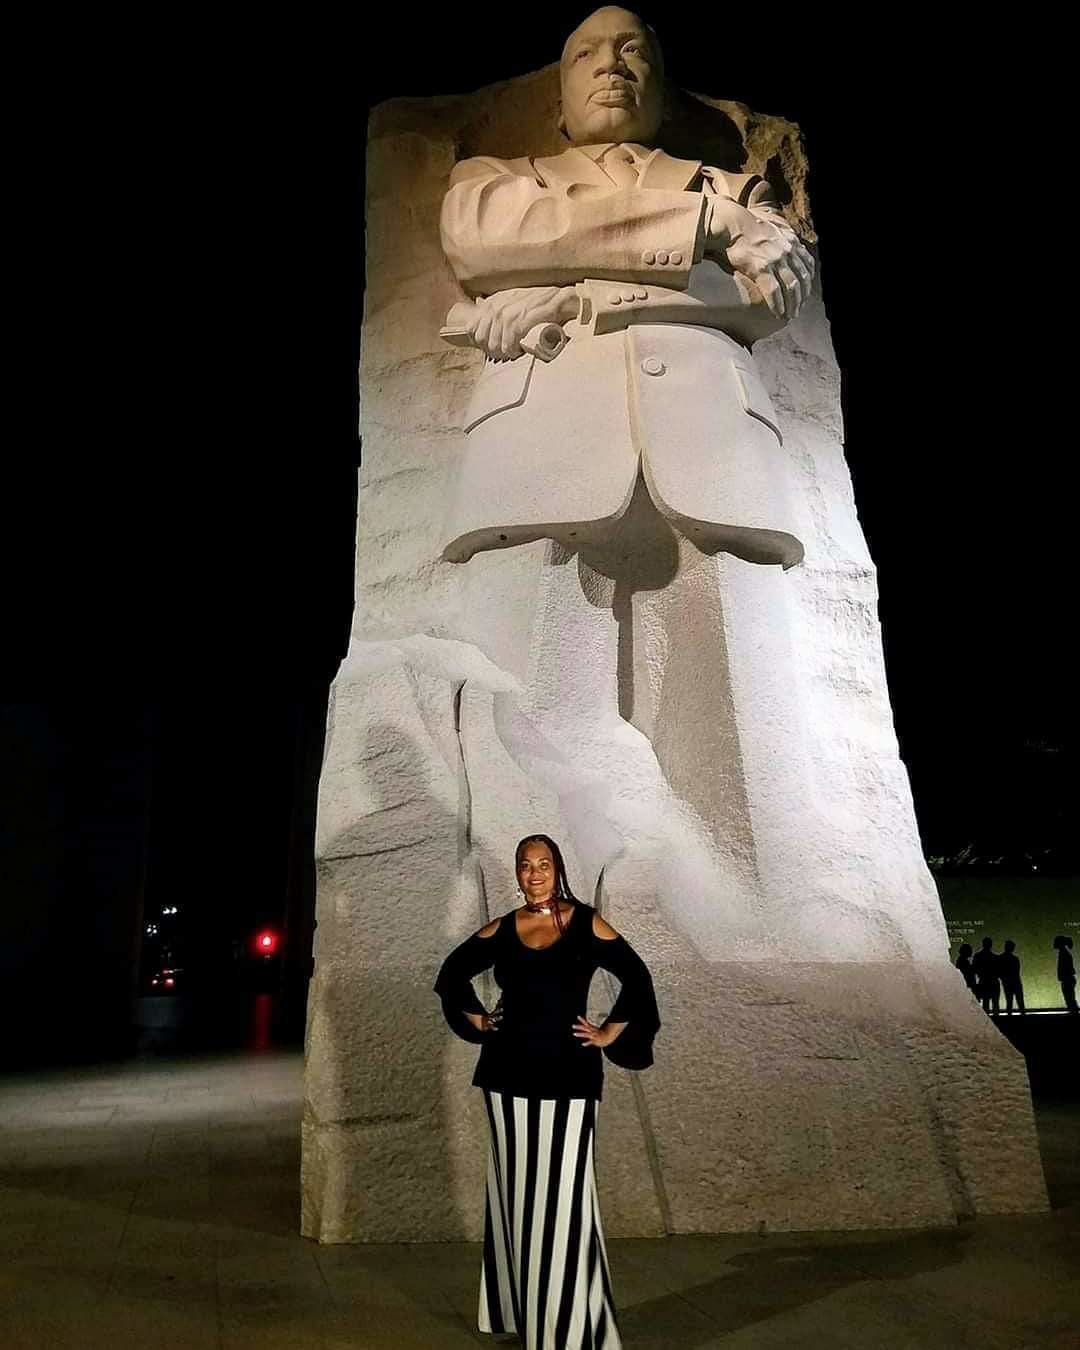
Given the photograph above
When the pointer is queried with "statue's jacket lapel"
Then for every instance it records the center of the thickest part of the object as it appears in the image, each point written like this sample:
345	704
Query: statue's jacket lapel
573	166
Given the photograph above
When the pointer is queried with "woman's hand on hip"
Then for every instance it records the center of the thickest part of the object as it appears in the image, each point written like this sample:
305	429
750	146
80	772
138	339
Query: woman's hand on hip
485	1021
590	1035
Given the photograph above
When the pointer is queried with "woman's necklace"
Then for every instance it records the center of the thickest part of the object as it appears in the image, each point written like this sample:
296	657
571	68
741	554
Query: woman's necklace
538	909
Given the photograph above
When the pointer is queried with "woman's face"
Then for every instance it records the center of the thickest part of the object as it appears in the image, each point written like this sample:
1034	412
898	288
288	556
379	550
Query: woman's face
536	872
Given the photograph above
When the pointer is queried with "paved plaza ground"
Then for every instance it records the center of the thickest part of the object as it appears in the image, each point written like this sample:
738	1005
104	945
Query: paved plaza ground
155	1203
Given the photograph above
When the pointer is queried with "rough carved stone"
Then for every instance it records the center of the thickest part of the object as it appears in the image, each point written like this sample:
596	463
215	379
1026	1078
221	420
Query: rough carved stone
711	741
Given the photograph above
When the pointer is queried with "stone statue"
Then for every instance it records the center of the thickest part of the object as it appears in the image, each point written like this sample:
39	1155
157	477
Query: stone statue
616	291
611	586
661	272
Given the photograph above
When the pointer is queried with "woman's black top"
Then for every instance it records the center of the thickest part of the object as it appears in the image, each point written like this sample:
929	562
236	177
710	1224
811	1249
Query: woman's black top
534	1052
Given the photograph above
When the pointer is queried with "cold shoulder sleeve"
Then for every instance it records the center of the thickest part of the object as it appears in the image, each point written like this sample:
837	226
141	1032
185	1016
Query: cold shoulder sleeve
454	985
635	1005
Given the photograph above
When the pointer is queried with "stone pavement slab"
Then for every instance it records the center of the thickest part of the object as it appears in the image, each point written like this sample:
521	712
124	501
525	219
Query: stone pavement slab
157	1203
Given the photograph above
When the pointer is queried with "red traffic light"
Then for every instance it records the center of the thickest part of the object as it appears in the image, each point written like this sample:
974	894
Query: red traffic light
266	942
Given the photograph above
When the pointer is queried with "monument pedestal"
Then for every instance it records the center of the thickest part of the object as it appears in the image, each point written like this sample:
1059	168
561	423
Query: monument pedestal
821	1096
707	735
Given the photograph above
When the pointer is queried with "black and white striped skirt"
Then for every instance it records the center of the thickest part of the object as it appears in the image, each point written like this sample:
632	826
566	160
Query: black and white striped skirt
545	1270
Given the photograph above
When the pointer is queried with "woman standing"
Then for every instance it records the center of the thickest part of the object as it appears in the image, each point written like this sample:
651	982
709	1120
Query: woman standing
545	1272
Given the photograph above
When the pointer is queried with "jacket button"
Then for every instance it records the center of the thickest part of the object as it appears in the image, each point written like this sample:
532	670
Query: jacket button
652	365
641	293
615	298
661	257
629	295
675	258
648	257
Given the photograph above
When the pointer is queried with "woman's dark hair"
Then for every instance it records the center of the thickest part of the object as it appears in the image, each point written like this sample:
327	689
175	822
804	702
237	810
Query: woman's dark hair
965	950
1062	941
562	889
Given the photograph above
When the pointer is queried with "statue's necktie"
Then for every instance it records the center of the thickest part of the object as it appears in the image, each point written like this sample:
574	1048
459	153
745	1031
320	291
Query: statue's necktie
620	166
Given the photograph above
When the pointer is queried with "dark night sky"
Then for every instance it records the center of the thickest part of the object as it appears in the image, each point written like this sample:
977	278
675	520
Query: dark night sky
213	220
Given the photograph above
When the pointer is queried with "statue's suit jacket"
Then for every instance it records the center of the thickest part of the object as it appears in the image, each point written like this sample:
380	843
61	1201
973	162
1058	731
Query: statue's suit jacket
657	371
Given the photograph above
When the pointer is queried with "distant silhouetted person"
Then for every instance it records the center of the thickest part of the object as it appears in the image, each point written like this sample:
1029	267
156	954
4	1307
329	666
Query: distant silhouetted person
985	964
1011	984
1066	972
964	966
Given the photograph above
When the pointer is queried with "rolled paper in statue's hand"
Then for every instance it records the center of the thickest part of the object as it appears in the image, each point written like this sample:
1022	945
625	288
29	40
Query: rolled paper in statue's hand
544	340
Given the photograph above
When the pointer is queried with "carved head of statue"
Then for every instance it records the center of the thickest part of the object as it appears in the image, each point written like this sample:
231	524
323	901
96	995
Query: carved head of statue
612	76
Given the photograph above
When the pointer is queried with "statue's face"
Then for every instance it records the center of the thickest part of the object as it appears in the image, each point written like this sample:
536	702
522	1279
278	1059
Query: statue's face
612	80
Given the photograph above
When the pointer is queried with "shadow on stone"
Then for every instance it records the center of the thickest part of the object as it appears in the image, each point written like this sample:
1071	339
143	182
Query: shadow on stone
778	1280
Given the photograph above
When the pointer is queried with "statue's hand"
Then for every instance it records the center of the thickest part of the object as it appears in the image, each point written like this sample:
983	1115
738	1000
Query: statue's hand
769	253
501	320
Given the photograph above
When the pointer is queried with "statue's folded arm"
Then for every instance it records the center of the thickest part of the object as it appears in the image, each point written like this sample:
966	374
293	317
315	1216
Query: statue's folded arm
500	229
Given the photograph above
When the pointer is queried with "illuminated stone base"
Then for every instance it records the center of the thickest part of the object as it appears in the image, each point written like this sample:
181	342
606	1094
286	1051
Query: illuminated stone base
823	1096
